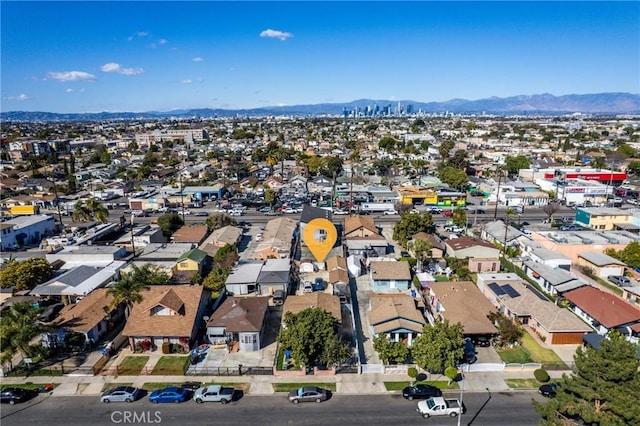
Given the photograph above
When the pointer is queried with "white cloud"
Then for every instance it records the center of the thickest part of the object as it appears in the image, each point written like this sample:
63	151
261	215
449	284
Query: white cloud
20	97
129	38
142	34
162	41
198	59
69	91
117	68
186	81
70	76
276	34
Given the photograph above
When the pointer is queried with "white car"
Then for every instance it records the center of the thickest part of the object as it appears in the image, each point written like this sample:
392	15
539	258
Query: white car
386	212
340	212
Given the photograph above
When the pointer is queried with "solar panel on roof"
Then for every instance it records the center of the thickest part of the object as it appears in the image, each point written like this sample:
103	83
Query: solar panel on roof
496	289
510	291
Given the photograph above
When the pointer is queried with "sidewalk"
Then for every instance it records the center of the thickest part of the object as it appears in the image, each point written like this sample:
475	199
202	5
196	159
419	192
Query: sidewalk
346	384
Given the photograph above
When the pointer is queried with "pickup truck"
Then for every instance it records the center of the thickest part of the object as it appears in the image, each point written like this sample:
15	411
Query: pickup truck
438	406
214	393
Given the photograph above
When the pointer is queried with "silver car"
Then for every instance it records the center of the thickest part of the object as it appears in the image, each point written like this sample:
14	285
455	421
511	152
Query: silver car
308	394
121	394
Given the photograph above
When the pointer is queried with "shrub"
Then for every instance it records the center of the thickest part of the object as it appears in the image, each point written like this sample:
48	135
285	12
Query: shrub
412	372
541	375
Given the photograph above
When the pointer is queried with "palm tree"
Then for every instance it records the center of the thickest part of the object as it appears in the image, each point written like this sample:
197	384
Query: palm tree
127	290
92	209
18	328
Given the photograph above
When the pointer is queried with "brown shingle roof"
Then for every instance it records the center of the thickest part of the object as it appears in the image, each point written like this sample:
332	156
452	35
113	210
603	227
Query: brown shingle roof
464	303
390	270
240	314
85	314
352	223
607	309
433	240
190	234
466	242
142	322
336	262
393	311
338	275
169	300
317	299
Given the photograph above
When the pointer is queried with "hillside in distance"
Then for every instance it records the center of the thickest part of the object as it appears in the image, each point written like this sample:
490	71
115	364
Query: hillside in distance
546	104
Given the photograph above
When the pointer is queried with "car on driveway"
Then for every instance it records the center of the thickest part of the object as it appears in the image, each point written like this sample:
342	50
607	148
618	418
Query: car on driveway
548	390
318	284
13	395
121	394
308	394
420	392
170	394
620	280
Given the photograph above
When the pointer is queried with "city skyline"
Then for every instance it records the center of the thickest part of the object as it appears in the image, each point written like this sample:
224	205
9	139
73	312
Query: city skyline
144	56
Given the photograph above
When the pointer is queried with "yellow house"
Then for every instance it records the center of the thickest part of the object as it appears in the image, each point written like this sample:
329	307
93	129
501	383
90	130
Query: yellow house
603	218
195	260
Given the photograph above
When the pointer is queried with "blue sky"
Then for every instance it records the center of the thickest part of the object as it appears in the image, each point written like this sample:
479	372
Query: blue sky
142	56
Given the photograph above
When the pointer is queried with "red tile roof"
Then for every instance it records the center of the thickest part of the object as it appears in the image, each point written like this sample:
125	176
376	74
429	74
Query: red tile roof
607	309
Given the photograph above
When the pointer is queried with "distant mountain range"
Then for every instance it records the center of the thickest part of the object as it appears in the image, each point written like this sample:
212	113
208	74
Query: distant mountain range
544	104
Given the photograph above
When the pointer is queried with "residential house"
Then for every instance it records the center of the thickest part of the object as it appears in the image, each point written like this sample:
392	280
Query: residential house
91	316
553	281
389	276
244	278
468	247
140	237
338	274
239	323
605	312
274	275
76	283
278	240
497	231
194	234
550	258
600	264
517	299
167	313
221	237
395	316
195	261
461	301
632	294
359	226
171	252
317	299
437	246
95	256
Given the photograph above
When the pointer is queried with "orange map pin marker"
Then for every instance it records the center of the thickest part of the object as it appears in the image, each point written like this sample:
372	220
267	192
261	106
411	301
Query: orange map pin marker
320	235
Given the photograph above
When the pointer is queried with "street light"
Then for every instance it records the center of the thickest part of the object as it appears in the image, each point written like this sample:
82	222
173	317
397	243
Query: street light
461	395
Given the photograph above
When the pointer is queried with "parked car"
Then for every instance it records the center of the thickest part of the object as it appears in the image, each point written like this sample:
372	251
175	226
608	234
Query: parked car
121	394
214	393
307	287
13	395
620	280
438	406
278	297
420	392
318	284
170	394
201	214
192	386
388	212
548	390
447	213
308	394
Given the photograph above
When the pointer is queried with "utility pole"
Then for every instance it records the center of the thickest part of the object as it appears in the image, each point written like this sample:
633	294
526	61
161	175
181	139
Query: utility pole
181	194
133	244
495	212
55	191
351	191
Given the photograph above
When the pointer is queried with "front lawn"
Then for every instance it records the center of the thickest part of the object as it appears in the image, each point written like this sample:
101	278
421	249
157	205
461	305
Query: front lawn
540	354
132	365
522	383
288	387
151	386
440	384
170	366
515	355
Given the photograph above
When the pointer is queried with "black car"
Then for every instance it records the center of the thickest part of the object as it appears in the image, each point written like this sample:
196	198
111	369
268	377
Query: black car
548	390
13	395
420	392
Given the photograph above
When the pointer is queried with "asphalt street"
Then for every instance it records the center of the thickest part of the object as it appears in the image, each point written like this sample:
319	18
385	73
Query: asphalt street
509	408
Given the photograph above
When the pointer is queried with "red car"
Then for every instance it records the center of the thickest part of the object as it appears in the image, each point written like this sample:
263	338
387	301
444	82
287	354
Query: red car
447	213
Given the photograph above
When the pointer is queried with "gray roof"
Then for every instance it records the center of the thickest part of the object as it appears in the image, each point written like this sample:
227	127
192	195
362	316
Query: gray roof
600	259
546	254
309	213
75	276
273	277
606	211
554	276
496	230
277	265
245	273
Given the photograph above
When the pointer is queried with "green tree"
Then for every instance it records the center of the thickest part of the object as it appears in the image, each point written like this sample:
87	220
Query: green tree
514	164
92	209
18	328
390	352
510	331
420	248
331	166
444	149
127	290
457	178
170	222
634	167
602	390
25	274
451	373
458	160
307	333
269	196
105	158
410	224
629	255
215	280
388	144
150	274
335	352
226	256
459	217
219	220
439	346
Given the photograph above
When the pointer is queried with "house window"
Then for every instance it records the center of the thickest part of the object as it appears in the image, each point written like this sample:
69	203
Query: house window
184	264
249	338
